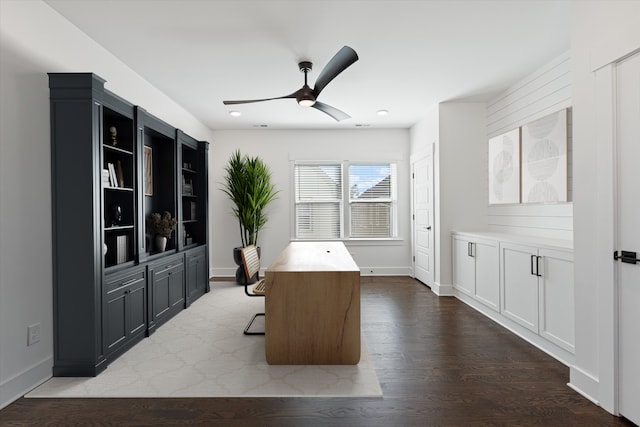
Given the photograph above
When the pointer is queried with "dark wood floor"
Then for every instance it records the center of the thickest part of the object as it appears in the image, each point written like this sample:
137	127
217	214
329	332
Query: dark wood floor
438	361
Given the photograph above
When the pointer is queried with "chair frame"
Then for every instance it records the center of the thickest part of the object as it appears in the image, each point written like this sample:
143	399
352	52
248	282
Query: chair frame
251	264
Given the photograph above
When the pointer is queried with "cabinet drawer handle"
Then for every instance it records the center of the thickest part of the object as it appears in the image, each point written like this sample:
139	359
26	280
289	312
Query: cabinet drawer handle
535	260
128	282
538	258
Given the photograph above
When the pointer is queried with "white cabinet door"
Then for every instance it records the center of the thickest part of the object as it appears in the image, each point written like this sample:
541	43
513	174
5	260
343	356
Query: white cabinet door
628	235
556	305
464	268
476	269
519	284
487	256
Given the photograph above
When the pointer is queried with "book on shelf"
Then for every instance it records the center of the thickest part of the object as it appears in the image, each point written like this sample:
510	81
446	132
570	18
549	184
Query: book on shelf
112	175
106	178
187	186
119	173
190	211
122	248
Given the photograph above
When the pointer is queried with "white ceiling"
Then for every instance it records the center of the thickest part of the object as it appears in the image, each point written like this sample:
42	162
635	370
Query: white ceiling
413	54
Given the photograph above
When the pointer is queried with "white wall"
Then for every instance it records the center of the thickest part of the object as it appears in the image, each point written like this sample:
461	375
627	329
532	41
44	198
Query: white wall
35	40
599	30
463	177
458	132
278	148
543	92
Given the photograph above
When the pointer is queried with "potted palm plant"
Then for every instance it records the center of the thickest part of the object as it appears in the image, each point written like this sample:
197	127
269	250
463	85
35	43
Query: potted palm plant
248	185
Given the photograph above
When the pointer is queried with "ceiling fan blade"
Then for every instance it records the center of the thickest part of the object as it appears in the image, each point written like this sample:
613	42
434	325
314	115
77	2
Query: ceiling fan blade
249	101
340	62
333	112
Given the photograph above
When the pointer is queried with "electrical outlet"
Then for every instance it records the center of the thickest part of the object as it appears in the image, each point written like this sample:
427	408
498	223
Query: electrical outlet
33	334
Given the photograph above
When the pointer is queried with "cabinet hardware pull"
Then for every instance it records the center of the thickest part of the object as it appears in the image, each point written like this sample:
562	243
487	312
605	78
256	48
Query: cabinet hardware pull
626	257
470	249
129	282
532	258
538	258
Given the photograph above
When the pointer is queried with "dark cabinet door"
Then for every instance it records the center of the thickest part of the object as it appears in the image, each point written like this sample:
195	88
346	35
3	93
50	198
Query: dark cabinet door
137	309
125	308
167	290
115	332
197	274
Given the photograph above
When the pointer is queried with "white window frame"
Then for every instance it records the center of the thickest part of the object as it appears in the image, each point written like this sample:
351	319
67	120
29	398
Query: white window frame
392	200
345	206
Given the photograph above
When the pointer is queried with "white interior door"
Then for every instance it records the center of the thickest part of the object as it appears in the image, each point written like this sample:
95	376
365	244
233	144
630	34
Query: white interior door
628	236
423	225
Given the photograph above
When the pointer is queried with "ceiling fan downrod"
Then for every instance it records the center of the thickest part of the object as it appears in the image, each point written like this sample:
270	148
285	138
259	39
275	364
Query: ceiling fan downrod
305	96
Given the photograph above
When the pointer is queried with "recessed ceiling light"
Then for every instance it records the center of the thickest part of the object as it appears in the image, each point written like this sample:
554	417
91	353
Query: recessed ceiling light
382	112
235	113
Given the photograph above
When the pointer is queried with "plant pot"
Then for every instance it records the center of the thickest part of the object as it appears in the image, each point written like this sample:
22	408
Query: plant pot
161	243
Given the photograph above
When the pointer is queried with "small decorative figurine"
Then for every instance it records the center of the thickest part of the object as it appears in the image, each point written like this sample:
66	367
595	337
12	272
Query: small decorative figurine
116	215
114	134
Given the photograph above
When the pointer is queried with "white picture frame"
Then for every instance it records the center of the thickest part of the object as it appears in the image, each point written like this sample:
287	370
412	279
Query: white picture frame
504	168
544	159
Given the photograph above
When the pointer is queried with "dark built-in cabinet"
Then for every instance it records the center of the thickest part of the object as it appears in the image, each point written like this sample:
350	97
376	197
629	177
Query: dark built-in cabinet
113	165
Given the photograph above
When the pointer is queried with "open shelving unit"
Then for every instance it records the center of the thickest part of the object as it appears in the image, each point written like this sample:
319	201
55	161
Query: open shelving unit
119	186
114	164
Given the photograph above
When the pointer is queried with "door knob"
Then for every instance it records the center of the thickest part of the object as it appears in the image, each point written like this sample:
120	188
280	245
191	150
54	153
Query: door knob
428	227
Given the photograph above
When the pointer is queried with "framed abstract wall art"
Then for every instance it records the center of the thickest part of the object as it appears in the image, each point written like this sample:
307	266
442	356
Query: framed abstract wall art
544	159
504	168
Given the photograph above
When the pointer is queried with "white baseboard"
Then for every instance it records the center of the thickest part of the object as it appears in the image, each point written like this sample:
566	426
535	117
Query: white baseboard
442	290
25	381
584	383
385	271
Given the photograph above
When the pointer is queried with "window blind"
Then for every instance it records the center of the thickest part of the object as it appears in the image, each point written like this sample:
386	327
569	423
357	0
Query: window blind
318	201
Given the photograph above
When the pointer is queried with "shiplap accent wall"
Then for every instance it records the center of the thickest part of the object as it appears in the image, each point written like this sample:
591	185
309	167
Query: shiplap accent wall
543	92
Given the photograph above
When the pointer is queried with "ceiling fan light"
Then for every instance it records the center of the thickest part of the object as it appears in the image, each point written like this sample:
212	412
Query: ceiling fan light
305	96
306	102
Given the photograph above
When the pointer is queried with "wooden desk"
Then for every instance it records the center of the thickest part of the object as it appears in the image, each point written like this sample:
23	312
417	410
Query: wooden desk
312	306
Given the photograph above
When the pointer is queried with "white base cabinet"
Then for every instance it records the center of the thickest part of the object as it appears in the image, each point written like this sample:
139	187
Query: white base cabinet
475	269
537	291
527	283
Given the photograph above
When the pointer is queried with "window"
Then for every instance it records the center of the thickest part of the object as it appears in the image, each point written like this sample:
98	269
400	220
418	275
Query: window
318	199
371	200
323	205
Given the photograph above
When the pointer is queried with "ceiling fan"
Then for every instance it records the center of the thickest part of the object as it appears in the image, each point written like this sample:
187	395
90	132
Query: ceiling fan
306	96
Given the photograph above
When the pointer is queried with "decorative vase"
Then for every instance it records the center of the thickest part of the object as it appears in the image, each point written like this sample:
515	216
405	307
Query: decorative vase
161	243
